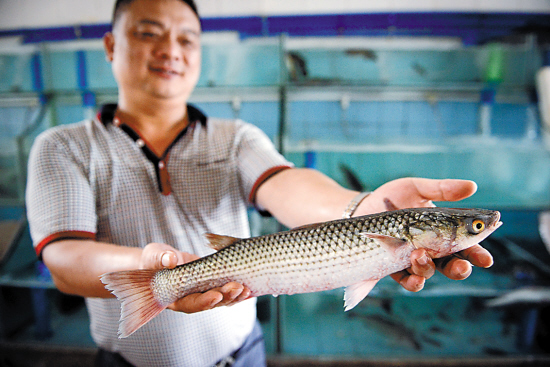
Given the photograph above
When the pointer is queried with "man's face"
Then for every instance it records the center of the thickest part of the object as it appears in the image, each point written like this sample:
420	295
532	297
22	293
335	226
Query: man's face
155	50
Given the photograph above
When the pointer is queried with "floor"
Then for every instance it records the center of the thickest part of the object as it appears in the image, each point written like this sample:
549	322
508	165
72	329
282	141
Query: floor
23	356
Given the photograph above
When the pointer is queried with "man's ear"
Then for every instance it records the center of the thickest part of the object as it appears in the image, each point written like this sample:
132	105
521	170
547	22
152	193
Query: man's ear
109	45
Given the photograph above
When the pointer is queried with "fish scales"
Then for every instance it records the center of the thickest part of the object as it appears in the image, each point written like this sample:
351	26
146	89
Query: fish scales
304	250
352	253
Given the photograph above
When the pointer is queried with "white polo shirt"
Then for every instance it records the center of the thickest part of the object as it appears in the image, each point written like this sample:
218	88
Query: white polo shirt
98	180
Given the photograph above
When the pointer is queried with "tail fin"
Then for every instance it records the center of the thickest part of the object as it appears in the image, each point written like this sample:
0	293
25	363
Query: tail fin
134	289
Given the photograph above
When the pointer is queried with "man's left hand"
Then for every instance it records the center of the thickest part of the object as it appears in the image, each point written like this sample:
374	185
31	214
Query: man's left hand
421	192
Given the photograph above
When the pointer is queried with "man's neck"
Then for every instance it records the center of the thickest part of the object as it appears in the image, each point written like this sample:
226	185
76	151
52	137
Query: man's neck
158	123
160	115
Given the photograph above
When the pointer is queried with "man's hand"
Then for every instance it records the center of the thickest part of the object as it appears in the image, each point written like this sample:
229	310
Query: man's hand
160	256
421	192
229	294
456	267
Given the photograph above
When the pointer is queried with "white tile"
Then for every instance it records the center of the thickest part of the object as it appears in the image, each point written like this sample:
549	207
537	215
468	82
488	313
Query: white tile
241	7
538	6
206	7
499	5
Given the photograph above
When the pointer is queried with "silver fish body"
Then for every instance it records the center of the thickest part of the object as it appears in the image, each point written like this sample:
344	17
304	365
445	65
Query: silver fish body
353	253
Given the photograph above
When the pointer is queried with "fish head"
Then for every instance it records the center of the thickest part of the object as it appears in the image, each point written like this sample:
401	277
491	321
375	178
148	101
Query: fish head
443	231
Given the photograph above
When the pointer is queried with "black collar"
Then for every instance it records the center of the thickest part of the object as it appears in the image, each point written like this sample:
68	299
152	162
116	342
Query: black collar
106	114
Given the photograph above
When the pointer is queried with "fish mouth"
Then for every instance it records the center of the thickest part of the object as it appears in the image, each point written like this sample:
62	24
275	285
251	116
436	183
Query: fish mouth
495	222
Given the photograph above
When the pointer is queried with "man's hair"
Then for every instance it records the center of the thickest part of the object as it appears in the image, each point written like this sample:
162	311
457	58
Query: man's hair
121	5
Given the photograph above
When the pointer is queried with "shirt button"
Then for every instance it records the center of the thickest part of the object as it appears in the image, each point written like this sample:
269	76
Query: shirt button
161	165
140	143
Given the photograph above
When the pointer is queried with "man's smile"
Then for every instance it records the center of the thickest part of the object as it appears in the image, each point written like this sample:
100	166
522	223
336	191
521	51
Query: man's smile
165	71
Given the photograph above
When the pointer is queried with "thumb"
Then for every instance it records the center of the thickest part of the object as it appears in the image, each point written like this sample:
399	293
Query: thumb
168	259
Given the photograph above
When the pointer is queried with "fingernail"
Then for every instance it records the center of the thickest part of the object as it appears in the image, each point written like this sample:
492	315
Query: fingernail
214	303
423	260
165	259
244	295
234	293
465	274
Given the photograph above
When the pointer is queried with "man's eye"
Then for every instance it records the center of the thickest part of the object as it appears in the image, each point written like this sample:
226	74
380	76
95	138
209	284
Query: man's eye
187	42
146	35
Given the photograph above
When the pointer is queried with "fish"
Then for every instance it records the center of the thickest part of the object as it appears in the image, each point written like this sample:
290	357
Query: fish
366	53
351	178
296	66
394	328
353	253
522	297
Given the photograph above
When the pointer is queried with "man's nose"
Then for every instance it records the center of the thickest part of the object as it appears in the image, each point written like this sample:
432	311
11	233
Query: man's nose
168	47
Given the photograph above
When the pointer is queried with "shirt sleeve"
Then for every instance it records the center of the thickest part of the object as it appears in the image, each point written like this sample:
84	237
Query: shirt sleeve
59	198
258	160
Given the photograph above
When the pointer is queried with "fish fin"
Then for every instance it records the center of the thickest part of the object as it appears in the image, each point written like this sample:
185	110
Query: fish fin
391	244
139	305
355	293
218	242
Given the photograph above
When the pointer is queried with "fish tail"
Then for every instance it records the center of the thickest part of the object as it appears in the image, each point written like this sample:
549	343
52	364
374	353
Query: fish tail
139	304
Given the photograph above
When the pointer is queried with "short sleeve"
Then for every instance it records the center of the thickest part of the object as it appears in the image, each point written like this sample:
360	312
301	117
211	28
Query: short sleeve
59	199
258	160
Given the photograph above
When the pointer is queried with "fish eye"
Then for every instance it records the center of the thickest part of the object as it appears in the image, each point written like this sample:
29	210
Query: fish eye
477	226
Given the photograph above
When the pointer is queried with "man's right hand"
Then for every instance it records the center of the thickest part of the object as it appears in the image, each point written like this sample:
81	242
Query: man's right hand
161	256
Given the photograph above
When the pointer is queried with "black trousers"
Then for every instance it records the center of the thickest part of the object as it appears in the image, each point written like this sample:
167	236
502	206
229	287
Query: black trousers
250	354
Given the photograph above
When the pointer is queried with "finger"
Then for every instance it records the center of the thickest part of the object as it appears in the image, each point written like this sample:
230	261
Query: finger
171	259
168	259
410	282
477	256
197	302
158	256
246	294
454	267
444	190
421	264
230	294
389	205
230	291
235	298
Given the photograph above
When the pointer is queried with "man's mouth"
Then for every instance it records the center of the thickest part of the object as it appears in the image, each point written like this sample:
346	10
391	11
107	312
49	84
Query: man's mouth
164	71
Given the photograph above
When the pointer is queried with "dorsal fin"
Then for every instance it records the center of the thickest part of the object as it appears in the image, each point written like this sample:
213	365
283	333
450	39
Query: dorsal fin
218	242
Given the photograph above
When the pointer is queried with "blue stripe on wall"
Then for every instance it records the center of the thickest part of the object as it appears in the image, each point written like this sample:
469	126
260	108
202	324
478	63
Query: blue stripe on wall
81	70
473	28
36	70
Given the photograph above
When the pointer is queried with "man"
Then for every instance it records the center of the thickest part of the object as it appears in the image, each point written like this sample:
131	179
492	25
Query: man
140	185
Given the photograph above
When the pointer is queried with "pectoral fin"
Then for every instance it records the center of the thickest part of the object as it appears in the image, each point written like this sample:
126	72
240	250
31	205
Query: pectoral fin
389	243
355	293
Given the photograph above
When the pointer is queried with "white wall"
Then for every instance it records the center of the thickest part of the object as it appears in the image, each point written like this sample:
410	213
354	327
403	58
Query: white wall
288	7
16	14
